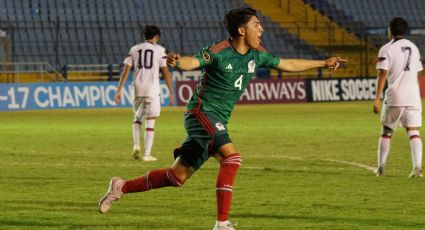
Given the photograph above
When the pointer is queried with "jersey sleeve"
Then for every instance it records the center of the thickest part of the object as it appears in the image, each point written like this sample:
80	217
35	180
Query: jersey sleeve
205	57
383	61
268	60
129	59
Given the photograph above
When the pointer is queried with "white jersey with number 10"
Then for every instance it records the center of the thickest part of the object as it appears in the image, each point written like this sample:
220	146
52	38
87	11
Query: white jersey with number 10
147	58
401	58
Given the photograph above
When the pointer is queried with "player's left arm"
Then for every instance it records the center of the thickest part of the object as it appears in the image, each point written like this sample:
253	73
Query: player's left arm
298	65
167	78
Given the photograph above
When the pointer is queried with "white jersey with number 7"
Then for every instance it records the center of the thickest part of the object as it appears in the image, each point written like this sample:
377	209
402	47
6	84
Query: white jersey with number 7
401	58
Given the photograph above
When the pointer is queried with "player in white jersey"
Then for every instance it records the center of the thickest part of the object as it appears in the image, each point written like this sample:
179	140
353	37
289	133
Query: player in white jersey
398	64
147	58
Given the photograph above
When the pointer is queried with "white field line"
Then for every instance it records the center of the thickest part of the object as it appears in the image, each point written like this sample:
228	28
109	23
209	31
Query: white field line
352	163
122	164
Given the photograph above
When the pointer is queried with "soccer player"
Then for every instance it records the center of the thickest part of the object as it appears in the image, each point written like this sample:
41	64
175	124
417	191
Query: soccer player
229	66
147	58
398	64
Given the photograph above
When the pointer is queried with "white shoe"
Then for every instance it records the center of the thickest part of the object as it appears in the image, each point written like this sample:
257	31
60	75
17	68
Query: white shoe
149	158
114	193
379	171
228	226
416	172
136	153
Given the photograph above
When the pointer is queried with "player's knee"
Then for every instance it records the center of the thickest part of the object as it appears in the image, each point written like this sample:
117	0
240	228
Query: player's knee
413	134
233	160
177	177
137	121
386	132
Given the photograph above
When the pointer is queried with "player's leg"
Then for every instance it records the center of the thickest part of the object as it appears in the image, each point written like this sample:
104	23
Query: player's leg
175	176
152	111
137	124
412	120
384	144
230	160
416	151
390	118
149	137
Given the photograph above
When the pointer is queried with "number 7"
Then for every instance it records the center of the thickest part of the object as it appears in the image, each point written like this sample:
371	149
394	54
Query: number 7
404	49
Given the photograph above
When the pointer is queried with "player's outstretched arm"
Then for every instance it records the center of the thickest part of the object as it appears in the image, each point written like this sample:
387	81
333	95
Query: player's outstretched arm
299	65
182	63
123	78
382	77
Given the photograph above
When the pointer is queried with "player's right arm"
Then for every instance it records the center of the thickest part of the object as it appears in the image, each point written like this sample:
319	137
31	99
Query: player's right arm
382	66
382	78
123	79
182	63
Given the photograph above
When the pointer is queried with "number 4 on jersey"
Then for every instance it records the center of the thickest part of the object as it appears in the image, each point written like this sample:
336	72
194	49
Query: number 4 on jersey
238	82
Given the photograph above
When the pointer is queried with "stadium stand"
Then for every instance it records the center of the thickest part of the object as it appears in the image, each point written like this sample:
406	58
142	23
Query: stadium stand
321	32
101	31
91	32
370	18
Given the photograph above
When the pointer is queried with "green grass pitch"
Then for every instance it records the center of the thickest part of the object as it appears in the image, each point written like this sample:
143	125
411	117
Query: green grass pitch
305	166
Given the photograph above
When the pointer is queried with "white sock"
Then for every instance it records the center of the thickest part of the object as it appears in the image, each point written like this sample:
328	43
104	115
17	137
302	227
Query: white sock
222	223
383	150
415	148
136	134
149	135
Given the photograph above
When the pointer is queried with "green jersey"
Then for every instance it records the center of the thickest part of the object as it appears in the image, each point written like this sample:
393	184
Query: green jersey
227	73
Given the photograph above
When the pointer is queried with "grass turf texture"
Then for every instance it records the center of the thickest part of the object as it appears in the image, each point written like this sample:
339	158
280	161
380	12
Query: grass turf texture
55	166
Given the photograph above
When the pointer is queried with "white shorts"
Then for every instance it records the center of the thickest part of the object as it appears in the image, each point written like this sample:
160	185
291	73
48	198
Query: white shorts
146	106
403	116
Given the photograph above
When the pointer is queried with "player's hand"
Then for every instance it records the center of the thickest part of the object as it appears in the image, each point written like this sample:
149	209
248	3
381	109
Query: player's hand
117	97
334	62
376	106
172	99
172	59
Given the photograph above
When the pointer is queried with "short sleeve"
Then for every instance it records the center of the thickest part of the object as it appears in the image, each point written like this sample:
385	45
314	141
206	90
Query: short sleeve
268	60
383	61
205	57
129	59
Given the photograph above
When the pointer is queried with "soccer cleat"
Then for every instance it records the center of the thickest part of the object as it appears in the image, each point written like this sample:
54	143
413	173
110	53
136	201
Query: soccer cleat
379	171
416	172
114	193
149	158
136	153
228	226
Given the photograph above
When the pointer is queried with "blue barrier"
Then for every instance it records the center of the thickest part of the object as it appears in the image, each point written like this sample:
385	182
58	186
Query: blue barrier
68	95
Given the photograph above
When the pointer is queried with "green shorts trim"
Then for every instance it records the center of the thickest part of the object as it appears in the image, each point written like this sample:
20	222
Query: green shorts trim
205	135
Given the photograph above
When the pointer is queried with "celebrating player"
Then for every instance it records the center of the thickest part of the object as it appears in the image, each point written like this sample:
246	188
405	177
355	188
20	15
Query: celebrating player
229	66
147	58
398	64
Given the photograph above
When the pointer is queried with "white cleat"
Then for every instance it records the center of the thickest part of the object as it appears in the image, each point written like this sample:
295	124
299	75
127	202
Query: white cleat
149	158
379	171
136	153
114	193
228	226
416	172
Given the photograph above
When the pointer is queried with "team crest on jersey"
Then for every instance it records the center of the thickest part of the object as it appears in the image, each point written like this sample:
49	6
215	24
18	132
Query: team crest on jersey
206	56
251	66
220	126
